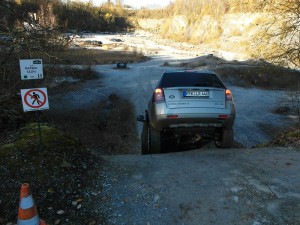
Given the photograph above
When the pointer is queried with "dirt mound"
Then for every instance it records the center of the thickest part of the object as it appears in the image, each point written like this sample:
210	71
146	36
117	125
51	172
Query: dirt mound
255	73
60	173
206	60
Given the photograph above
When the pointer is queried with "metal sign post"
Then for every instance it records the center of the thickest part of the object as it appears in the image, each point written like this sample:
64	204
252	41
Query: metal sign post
39	128
34	99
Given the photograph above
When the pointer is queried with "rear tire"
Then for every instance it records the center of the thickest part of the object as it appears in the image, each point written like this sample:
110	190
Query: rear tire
226	140
155	142
145	138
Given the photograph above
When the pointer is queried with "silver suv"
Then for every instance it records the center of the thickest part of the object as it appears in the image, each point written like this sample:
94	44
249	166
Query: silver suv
188	106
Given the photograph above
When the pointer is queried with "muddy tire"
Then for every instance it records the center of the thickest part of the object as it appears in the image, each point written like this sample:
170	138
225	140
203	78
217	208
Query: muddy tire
226	139
145	138
155	141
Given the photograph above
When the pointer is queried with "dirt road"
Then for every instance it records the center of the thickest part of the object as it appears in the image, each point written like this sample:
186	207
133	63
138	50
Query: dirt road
205	186
208	186
259	186
255	121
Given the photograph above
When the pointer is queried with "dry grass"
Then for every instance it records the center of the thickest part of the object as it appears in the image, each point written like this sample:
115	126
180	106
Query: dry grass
60	172
11	82
236	32
269	77
109	127
249	73
93	56
288	138
63	170
83	56
12	115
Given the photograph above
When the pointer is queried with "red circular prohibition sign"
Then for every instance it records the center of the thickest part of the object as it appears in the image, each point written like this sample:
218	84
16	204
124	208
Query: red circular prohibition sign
33	97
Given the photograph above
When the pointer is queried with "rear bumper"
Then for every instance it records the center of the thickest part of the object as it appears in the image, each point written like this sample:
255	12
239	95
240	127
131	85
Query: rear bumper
162	122
162	118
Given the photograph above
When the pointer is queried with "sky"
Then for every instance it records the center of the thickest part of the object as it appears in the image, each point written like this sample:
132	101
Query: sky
138	3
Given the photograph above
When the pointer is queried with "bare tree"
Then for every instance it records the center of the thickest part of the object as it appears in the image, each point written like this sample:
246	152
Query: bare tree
24	33
119	2
294	102
282	34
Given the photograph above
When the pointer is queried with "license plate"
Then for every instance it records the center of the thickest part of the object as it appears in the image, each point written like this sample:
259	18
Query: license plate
195	93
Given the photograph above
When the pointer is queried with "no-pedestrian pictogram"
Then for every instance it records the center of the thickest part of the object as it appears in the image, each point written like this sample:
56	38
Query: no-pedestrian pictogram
34	99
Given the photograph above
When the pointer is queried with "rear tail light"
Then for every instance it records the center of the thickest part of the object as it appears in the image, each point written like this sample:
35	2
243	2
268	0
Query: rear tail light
158	95
172	116
223	117
228	95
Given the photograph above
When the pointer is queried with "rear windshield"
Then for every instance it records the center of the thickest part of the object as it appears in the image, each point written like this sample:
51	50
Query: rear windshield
190	80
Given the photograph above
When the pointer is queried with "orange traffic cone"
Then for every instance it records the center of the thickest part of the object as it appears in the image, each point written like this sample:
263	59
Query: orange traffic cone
27	214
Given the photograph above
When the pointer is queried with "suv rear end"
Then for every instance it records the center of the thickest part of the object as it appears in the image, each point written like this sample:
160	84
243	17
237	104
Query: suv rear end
194	104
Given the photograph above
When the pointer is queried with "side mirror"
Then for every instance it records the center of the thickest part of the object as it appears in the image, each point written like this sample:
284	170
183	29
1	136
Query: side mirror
140	118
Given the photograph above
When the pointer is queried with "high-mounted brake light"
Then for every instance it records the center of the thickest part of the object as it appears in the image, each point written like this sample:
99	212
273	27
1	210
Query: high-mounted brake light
158	95
228	95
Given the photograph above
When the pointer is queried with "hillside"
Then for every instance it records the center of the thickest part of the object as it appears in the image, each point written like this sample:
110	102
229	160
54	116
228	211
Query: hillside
262	29
235	32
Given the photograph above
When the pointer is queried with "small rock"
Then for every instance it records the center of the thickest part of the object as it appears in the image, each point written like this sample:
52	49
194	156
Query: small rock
236	189
74	203
60	212
282	110
156	198
79	206
50	190
236	199
93	222
57	222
